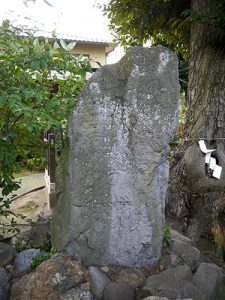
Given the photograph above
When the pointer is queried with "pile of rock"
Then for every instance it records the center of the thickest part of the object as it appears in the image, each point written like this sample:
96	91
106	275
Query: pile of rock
183	275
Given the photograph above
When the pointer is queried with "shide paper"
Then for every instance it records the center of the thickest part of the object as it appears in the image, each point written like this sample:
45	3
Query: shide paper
211	161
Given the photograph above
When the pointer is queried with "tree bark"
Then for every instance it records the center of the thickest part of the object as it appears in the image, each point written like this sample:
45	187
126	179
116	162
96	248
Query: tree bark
194	196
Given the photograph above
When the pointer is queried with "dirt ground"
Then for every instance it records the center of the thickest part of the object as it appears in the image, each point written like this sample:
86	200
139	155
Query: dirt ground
32	205
30	181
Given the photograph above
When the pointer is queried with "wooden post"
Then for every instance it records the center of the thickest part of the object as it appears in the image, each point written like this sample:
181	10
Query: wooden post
51	157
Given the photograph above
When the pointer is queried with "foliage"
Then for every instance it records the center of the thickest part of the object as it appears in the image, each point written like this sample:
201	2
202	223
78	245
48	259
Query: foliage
19	246
162	21
168	23
17	220
166	236
45	1
44	244
37	260
135	22
39	82
211	237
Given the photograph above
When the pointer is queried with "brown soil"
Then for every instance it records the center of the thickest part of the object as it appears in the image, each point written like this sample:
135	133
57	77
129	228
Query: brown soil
32	205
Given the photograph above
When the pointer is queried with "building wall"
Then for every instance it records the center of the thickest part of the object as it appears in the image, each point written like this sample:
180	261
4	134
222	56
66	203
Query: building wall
95	52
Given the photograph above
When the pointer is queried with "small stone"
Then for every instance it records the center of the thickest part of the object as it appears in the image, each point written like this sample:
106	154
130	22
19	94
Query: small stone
119	291
98	281
133	277
105	269
7	253
23	259
176	236
4	284
170	260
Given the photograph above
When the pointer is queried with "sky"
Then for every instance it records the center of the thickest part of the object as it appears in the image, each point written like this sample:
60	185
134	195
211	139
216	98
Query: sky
72	17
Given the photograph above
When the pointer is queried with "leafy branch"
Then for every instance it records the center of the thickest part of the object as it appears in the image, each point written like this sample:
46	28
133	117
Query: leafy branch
39	84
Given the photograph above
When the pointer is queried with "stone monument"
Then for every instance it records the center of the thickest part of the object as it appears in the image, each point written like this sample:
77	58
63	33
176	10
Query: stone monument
113	173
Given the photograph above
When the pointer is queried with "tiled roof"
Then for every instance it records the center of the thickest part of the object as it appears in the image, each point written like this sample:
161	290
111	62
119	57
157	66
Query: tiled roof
81	39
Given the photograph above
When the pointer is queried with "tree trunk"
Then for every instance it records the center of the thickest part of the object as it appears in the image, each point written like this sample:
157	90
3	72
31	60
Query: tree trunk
194	196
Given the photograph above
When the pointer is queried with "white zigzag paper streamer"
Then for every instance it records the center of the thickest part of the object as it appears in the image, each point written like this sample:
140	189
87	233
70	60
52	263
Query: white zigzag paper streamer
210	160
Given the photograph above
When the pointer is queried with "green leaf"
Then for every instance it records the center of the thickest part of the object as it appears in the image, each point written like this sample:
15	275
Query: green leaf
36	45
70	46
3	99
63	44
7	203
56	45
39	77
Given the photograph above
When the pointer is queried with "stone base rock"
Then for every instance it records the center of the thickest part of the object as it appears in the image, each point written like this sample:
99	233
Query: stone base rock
80	293
133	277
119	291
24	258
183	248
179	283
4	284
51	280
155	298
7	253
210	280
98	281
181	251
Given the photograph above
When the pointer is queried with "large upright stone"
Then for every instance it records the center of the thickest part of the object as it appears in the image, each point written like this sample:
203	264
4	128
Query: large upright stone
113	173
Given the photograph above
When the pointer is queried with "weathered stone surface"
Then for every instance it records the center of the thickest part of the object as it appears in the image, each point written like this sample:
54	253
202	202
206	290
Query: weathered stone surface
114	171
178	237
80	293
170	260
7	253
174	283
133	277
119	291
182	246
173	290
155	298
177	273
52	279
98	281
209	279
23	259
3	294
4	284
